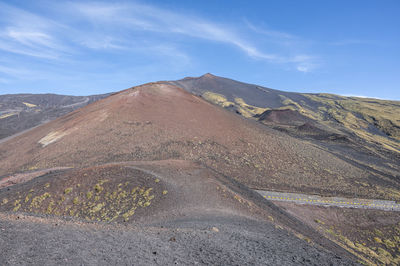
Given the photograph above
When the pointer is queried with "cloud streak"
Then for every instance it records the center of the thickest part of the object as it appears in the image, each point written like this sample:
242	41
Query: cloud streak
72	29
139	17
25	33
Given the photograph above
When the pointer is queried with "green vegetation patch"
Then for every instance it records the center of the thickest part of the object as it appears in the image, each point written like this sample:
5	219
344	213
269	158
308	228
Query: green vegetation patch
359	114
241	106
96	200
372	246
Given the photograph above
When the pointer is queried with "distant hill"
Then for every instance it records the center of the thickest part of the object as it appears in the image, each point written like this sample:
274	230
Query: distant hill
19	112
375	121
364	132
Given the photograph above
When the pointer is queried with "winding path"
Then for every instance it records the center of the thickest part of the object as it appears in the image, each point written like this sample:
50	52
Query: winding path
385	205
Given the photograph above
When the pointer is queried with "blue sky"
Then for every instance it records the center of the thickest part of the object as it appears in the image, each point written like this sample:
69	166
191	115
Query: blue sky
81	48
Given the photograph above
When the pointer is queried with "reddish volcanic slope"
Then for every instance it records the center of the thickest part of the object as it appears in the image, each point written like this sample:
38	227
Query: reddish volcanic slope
159	121
284	116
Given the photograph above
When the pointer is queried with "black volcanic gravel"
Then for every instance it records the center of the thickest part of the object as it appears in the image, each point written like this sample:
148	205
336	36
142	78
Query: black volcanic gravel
238	241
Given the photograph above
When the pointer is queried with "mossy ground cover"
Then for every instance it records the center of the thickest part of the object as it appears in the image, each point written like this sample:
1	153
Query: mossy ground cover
239	104
376	246
376	121
7	115
373	236
98	194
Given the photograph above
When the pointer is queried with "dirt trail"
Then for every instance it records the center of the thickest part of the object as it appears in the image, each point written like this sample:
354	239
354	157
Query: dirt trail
22	132
385	205
24	177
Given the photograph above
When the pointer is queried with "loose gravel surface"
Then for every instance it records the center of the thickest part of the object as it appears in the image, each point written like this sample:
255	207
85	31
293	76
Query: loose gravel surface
385	205
196	241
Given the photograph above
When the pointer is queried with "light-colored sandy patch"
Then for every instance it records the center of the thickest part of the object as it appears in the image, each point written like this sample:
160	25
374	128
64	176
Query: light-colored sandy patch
24	177
52	137
30	105
7	115
103	115
135	93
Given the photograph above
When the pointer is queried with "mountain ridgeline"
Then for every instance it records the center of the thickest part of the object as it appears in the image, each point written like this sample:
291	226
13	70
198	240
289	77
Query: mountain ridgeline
190	154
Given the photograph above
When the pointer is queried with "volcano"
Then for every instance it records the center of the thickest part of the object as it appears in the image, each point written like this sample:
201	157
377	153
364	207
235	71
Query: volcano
159	121
156	162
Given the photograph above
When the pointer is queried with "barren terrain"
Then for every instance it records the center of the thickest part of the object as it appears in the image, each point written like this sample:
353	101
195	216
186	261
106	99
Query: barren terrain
157	175
152	122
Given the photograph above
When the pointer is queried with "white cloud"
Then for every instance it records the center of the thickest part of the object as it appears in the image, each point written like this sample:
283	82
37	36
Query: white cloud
30	38
25	33
270	33
116	27
138	17
302	68
17	72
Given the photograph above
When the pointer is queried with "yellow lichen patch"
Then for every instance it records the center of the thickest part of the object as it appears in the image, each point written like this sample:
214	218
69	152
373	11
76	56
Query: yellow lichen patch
372	252
389	244
308	240
357	114
218	99
164	192
28	197
147	192
7	115
50	207
62	199
94	201
89	194
30	105
248	110
128	214
97	208
98	188
52	137
17	205
76	200
36	201
238	198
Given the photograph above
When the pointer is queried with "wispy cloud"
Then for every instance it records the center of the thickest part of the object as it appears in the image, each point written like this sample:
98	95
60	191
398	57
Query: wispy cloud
72	29
270	33
25	33
138	17
19	72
